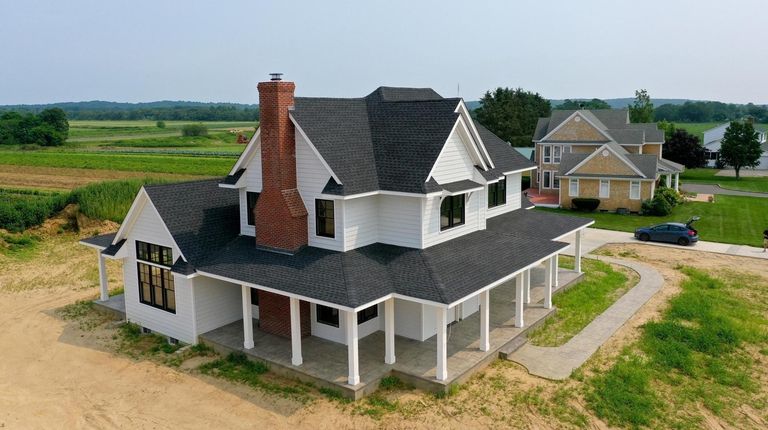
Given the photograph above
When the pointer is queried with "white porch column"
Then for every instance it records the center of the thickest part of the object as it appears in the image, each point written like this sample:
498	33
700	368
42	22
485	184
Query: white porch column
389	331
519	287
556	271
441	372
669	180
296	358
485	322
551	265
527	286
103	282
577	252
247	318
677	182
352	353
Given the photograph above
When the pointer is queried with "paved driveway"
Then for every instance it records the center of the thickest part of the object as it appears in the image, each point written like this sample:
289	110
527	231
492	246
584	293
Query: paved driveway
594	238
716	189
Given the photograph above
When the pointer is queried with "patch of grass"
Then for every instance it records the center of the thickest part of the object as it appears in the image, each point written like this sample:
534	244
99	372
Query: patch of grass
109	200
717	221
75	310
166	163
376	406
601	286
135	344
333	394
236	367
696	354
391	383
21	246
84	314
709	176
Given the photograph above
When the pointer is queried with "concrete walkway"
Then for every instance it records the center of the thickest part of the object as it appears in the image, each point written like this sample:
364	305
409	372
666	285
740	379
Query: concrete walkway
717	189
559	362
594	238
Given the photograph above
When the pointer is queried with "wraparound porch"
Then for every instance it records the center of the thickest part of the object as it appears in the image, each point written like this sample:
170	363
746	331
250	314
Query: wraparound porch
326	363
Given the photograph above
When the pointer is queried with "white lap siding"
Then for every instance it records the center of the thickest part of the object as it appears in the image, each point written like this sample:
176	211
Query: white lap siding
472	220
361	222
217	303
253	184
399	221
514	196
454	163
149	228
312	176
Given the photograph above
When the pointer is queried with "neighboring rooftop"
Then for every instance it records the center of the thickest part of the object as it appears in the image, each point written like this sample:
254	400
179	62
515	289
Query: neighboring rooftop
612	122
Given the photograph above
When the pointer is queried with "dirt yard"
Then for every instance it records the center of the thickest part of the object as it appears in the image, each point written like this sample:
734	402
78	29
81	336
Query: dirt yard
56	374
59	178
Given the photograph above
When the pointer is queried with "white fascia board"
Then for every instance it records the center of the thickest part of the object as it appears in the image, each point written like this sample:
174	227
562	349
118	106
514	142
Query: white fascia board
465	111
565	121
237	185
379	193
248	152
90	245
276	291
442	150
474	145
506	278
456	193
526	169
599	150
314	149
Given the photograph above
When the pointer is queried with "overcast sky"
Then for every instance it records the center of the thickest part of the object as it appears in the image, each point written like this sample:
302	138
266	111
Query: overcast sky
141	50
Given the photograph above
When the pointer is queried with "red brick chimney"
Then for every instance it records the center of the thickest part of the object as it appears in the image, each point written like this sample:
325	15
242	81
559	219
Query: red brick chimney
281	218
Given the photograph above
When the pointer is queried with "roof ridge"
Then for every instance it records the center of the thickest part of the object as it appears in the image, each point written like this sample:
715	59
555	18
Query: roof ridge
432	275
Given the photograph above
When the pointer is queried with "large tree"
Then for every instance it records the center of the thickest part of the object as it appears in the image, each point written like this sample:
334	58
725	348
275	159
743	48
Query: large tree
685	148
512	114
740	147
641	109
583	104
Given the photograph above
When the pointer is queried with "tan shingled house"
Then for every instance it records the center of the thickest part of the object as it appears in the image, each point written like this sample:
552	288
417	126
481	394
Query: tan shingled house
600	154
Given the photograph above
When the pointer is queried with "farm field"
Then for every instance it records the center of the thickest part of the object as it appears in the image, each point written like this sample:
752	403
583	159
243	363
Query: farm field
87	131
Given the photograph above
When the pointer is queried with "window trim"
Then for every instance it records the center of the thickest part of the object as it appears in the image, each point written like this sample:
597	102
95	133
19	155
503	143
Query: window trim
546	154
319	309
367	314
639	189
571	183
250	217
555	181
600	189
495	198
557	149
451	223
325	218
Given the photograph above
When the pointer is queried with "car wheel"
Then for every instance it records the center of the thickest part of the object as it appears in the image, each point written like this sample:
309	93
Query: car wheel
645	237
683	241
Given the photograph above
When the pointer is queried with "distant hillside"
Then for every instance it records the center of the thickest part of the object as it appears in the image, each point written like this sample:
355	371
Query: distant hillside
105	105
615	103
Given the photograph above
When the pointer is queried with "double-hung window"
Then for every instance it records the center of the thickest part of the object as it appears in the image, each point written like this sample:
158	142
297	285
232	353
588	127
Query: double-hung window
557	151
452	212
497	193
634	190
155	278
547	154
605	188
573	187
324	218
547	179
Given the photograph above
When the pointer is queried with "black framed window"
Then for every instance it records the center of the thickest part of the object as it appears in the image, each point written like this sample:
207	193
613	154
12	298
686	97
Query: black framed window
156	286
251	199
452	212
367	314
254	297
328	315
497	193
324	218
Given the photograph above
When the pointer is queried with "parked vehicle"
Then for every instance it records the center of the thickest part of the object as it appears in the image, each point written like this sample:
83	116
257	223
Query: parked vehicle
675	232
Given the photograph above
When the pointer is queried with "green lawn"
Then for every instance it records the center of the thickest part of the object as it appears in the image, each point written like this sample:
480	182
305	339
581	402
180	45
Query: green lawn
578	306
111	130
701	353
707	176
731	219
174	163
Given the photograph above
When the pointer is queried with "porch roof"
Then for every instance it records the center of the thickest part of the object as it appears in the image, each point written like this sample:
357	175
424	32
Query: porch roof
442	273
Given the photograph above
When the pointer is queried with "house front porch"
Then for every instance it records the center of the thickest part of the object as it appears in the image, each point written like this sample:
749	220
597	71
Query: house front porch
325	363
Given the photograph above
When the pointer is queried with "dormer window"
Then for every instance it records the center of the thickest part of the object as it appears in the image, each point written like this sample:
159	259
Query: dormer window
324	218
497	193
251	199
452	212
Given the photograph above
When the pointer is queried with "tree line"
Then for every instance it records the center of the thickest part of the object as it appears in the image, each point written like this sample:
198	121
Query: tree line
154	111
710	112
47	128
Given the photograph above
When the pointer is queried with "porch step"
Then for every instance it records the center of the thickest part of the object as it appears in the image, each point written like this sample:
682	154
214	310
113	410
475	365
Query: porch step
512	346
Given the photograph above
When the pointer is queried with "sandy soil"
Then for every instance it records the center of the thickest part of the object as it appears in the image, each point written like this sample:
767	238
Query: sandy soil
53	374
59	178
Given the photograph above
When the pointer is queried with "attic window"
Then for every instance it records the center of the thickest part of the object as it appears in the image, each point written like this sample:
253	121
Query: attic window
577	118
251	199
452	212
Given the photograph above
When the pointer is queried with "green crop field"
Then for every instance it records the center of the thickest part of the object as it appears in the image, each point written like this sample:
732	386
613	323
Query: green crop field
84	131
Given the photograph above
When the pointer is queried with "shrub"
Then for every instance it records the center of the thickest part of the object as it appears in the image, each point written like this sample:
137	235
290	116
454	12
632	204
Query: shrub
194	130
657	206
670	195
160	124
585	204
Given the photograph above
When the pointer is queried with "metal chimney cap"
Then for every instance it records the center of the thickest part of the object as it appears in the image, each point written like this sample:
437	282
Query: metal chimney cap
275	76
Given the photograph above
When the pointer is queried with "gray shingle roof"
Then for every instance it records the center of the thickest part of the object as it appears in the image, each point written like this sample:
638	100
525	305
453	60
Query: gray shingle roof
461	186
232	179
615	122
101	241
200	215
388	140
645	163
505	157
442	273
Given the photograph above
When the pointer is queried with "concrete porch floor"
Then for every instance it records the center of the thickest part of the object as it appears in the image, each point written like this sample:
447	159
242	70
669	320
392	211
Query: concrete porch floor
325	362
